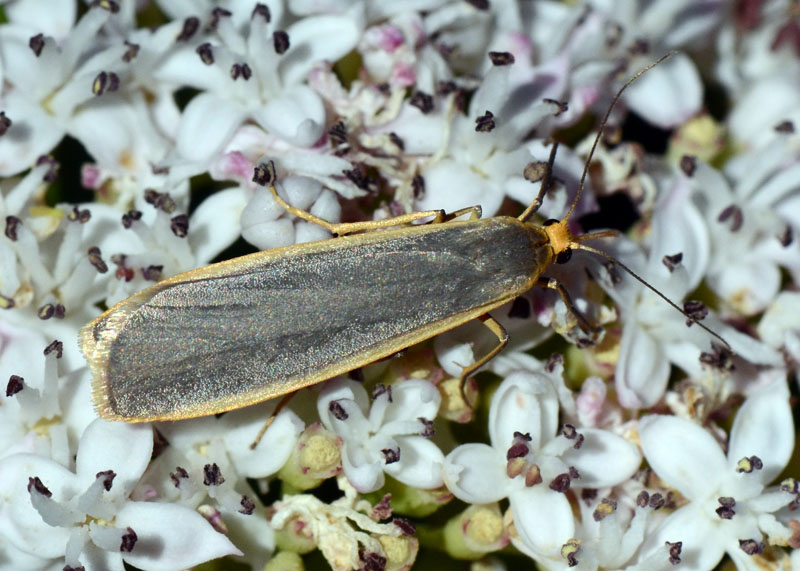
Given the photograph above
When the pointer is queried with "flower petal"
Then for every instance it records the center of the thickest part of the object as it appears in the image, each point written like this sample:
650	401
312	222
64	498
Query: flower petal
208	122
604	459
476	473
702	545
764	427
682	454
420	464
171	537
119	446
544	534
642	370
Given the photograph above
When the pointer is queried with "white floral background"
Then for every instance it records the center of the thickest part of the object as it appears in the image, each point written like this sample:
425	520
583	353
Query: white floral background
129	134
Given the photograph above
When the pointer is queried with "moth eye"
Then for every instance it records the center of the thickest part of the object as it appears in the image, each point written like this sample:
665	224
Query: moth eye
564	257
550	222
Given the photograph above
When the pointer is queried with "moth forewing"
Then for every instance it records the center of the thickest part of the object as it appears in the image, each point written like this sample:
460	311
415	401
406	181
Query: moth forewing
246	330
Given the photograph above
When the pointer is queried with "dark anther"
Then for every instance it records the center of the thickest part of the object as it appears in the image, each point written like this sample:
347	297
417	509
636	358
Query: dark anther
247	506
178	475
190	27
338	133
107	476
485	123
263	11
562	106
280	40
5	123
560	483
725	509
422	101
643	499
36	484
501	58
14	385
95	258
657	501
751	546
427	428
128	541
397	141
534	171
36	43
180	225
688	165
241	70
482	5
56	346
212	476
391	455
418	186
131	53
381	389
674	551
152	273
337	410
405	526
696	310
786	127
130	217
672	261
734	213
216	15
264	174
206	53
12	225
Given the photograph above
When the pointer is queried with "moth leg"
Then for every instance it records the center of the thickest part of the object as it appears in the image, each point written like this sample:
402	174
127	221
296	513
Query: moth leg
583	323
350	227
547	181
502	336
474	213
284	401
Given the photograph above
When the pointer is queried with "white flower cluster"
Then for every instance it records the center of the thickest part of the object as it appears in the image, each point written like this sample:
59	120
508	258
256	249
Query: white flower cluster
131	135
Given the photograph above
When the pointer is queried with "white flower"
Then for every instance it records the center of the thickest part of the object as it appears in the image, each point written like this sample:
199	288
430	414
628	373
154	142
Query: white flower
534	464
391	436
252	69
731	508
86	518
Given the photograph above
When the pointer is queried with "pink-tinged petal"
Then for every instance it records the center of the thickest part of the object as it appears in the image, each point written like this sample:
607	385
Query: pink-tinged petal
682	454
240	428
543	518
476	473
171	537
20	523
413	399
122	447
702	547
642	370
420	464
604	459
215	223
669	94
764	427
525	403
207	124
297	116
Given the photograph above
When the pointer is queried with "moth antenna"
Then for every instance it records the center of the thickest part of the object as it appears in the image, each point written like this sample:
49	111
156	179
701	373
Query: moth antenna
633	78
651	288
